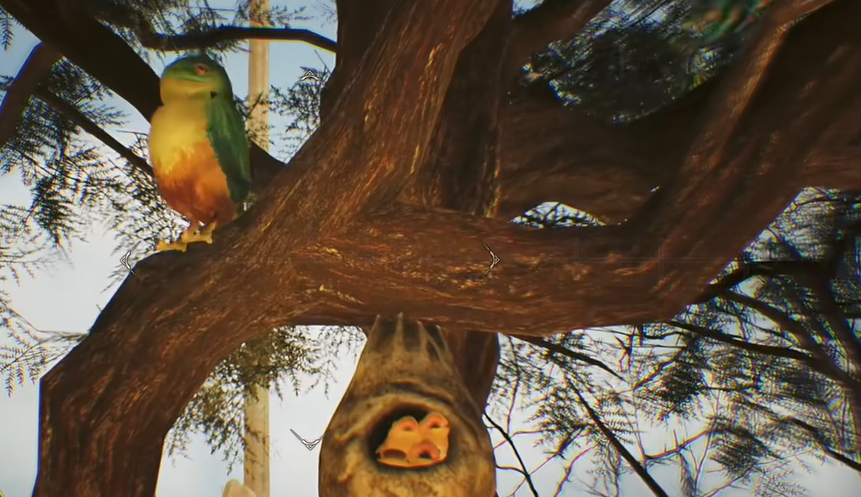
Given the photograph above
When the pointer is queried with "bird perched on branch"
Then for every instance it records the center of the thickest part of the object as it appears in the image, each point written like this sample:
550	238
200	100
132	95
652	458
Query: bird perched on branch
198	148
716	19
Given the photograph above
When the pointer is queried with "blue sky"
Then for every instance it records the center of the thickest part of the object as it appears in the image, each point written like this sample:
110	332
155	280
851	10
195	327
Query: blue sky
76	289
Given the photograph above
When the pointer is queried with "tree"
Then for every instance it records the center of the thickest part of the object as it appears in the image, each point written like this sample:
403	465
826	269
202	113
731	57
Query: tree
427	147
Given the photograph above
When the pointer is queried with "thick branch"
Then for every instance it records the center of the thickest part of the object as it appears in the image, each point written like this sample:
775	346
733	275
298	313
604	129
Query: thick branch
92	128
548	281
221	34
36	68
551	153
358	23
835	168
461	168
757	137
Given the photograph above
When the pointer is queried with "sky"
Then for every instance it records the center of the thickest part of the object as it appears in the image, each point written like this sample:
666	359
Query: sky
76	288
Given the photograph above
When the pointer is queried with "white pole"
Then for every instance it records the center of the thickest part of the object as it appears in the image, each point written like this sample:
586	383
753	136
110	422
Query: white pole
256	466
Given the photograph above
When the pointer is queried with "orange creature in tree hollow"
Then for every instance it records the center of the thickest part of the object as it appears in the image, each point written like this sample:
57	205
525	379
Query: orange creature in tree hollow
411	444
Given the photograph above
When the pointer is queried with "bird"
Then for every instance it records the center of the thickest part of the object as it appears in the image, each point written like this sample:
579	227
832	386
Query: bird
199	148
308	445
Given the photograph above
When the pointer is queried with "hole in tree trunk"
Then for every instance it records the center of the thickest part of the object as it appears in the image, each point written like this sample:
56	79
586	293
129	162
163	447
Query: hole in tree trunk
410	437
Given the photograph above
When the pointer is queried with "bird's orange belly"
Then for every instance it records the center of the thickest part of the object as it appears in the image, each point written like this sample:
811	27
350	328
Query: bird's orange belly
195	186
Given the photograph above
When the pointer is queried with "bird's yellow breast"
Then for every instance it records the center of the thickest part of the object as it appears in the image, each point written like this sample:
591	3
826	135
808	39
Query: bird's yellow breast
178	128
186	168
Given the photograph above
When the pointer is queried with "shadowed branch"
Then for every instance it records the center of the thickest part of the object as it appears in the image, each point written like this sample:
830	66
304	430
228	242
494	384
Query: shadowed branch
221	34
617	444
550	21
92	128
35	69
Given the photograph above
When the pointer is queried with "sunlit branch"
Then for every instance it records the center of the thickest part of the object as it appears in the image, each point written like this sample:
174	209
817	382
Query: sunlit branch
679	447
796	9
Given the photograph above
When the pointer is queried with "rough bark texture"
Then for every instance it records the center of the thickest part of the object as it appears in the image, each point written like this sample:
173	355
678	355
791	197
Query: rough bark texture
420	159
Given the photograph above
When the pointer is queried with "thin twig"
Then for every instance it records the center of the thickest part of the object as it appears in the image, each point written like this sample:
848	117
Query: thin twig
526	474
620	448
559	349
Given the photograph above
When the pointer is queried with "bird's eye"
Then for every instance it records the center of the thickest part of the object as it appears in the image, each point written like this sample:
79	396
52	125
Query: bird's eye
201	69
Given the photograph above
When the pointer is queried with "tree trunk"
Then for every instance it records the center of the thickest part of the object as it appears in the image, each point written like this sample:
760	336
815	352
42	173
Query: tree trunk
406	369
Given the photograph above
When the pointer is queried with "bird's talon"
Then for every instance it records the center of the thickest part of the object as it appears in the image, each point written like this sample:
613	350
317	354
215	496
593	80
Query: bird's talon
164	246
189	235
198	237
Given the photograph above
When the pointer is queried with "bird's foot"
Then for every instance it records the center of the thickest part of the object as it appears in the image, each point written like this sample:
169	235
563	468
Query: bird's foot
163	246
202	235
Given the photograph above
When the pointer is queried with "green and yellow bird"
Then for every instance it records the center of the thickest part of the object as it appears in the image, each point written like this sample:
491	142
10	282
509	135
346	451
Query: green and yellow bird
198	148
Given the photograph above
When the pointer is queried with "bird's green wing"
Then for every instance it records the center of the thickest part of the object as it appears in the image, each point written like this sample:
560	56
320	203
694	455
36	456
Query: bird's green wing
228	139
